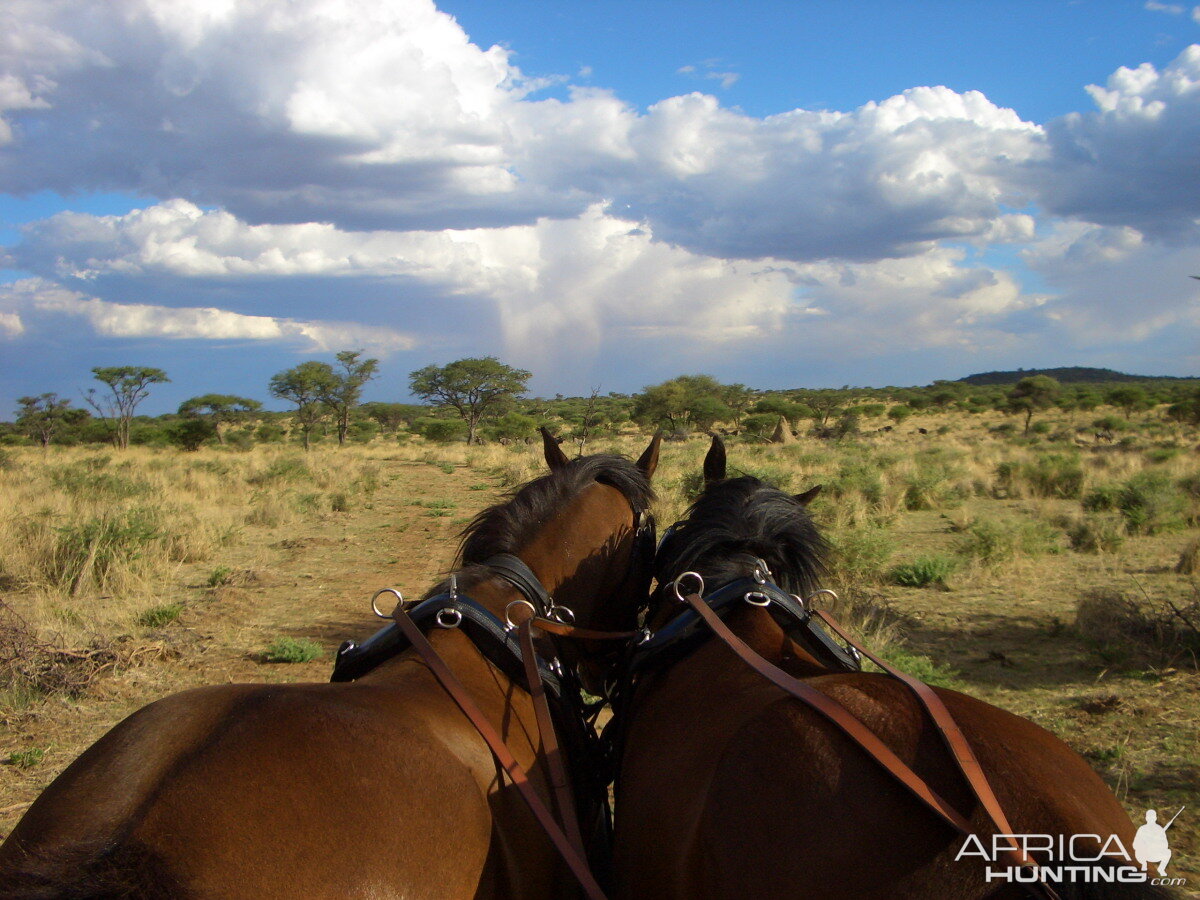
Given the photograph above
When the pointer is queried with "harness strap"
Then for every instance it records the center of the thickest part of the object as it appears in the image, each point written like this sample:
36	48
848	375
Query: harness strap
516	773
854	729
956	742
549	738
514	570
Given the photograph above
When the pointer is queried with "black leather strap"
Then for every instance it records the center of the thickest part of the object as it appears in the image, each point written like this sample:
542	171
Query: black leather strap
684	632
513	570
495	641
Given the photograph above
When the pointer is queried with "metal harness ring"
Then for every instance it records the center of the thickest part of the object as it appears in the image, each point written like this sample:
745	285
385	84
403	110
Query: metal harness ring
816	594
448	617
564	615
508	618
375	609
699	584
765	601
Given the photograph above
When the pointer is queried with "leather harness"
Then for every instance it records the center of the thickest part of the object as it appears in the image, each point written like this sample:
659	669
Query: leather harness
554	691
557	703
702	616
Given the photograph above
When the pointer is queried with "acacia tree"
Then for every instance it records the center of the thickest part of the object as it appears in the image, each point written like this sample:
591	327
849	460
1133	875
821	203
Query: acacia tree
39	417
1032	393
344	390
219	410
305	385
128	386
475	387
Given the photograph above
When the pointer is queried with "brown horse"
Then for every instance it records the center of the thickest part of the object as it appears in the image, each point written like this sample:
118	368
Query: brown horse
730	788
375	788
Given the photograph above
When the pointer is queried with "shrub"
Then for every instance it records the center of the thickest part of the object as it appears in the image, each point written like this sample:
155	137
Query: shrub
441	431
1151	503
86	480
924	571
932	484
1102	497
993	542
920	667
158	616
220	576
1125	630
861	554
190	434
759	426
285	468
339	502
1096	534
859	476
1189	559
1048	475
293	650
101	552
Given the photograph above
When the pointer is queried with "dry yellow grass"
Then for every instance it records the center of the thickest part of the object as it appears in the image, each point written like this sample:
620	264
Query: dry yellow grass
273	542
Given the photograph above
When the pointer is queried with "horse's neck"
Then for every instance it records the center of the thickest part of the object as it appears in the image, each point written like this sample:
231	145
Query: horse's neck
755	626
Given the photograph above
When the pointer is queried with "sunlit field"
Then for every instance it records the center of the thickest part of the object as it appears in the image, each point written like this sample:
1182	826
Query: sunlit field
1054	576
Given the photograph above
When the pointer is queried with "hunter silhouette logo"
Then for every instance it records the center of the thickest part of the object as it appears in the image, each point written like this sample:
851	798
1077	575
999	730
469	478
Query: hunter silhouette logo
1078	858
1150	843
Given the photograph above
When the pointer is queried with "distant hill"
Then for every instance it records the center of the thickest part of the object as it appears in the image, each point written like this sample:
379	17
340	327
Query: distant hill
1065	374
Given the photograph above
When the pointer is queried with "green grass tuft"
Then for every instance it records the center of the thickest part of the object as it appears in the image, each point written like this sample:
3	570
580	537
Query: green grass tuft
158	616
293	650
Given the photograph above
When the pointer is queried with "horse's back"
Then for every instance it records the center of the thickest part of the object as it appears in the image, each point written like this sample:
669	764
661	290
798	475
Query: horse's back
765	798
256	790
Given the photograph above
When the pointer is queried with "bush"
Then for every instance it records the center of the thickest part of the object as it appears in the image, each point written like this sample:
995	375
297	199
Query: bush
1150	502
86	479
931	485
190	434
158	616
924	571
859	476
759	426
441	431
861	554
993	542
1097	534
293	650
1048	475
285	468
1189	559
101	552
1125	630
511	427
920	667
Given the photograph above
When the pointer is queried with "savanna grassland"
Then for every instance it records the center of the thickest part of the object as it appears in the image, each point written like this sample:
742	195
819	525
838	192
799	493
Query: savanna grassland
1058	580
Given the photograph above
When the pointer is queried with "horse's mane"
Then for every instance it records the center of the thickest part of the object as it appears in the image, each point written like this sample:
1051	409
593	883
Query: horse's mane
508	525
736	522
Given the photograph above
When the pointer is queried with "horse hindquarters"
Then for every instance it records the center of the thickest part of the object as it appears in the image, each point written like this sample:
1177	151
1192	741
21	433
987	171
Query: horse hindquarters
239	791
761	797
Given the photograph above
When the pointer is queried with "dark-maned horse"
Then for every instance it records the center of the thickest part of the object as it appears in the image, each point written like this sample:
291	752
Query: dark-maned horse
375	788
730	788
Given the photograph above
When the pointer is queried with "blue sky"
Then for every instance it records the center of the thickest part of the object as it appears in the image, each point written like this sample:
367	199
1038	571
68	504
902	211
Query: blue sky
606	193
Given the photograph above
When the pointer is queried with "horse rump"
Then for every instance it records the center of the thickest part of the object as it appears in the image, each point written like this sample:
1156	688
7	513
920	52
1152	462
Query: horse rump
109	872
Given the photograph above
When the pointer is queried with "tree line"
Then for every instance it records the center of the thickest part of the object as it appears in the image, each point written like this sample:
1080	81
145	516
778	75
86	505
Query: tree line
482	398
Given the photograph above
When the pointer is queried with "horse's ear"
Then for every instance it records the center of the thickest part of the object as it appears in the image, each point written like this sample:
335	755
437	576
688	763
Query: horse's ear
809	496
714	461
555	458
648	461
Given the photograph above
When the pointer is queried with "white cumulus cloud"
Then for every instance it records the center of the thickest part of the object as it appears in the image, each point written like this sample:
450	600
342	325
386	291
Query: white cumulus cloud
39	302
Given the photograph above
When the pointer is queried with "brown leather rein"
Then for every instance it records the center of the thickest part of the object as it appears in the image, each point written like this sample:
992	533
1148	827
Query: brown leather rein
953	737
563	832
